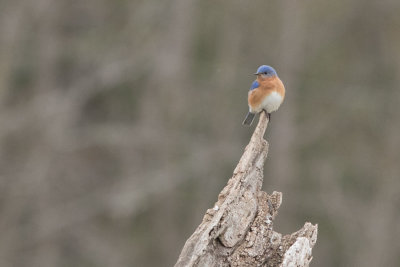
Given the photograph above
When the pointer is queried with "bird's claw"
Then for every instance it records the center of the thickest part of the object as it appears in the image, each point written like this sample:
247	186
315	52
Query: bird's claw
268	115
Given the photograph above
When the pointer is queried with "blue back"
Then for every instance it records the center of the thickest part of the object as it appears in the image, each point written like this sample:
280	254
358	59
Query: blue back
254	85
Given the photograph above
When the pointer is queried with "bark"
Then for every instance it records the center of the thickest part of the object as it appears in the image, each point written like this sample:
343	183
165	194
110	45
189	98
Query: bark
238	230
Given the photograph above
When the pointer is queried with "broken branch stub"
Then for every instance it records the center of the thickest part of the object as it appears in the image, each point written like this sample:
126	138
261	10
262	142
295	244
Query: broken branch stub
238	230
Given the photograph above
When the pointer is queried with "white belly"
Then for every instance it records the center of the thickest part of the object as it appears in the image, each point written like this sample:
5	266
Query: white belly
270	103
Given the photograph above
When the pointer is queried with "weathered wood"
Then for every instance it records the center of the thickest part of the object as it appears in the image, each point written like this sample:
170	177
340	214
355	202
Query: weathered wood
238	230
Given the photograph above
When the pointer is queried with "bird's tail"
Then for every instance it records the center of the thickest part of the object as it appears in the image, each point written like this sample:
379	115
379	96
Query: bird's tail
249	119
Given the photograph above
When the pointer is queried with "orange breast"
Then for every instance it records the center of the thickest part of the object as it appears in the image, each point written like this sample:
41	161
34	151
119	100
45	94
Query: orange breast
255	98
267	86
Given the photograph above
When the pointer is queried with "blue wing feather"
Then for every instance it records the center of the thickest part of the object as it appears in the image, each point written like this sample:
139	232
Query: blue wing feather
254	85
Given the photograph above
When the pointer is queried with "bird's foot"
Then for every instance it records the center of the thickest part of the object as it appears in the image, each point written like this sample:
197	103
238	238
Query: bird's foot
268	115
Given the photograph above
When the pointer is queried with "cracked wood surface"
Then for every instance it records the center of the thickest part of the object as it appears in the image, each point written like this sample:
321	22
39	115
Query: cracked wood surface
238	230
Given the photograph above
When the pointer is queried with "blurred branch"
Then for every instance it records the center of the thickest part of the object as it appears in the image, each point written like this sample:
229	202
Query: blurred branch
238	230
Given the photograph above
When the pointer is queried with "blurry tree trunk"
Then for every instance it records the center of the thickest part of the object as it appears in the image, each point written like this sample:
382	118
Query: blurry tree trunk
238	231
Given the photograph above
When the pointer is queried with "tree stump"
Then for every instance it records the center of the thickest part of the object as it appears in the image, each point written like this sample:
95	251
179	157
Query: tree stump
238	230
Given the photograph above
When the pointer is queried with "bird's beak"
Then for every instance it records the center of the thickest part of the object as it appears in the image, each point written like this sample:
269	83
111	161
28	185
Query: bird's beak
256	73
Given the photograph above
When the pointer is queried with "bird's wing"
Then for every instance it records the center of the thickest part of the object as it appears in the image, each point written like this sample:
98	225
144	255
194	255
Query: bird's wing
254	85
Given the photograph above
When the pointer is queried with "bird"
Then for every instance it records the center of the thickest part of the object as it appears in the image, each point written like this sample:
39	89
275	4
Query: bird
267	93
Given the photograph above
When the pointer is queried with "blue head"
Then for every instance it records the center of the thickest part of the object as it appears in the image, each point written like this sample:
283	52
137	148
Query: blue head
266	71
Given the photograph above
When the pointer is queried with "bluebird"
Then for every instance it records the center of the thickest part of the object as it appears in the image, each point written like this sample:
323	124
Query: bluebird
266	93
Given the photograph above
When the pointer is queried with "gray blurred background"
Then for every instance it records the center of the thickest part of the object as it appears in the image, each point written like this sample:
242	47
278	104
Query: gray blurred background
120	122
